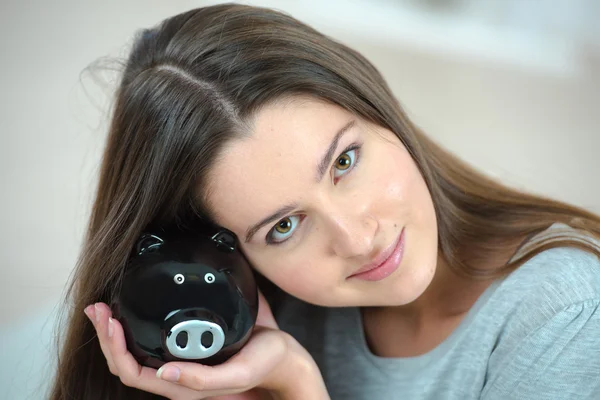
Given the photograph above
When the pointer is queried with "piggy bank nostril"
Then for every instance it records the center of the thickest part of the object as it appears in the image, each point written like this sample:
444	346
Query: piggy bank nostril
182	339
206	339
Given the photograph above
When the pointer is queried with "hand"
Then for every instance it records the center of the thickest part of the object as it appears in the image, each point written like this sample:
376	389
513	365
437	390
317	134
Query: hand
271	361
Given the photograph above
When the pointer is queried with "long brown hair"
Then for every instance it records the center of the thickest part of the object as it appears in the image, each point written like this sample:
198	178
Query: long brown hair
187	87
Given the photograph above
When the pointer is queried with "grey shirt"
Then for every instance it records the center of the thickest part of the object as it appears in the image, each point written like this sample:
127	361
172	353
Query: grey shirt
534	334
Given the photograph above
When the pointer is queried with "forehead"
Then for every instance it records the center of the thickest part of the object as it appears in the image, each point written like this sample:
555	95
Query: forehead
275	164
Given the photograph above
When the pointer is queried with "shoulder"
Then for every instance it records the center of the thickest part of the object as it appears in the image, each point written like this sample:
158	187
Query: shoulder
548	343
555	278
560	282
559	276
549	284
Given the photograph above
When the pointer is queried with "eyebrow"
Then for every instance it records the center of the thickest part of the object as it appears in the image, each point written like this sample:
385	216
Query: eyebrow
321	169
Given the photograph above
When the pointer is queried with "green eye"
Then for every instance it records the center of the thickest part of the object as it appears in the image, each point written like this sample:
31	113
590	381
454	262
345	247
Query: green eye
343	162
284	226
346	161
283	229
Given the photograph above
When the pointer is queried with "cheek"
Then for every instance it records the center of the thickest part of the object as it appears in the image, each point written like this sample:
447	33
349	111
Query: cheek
420	217
393	179
405	194
298	276
421	199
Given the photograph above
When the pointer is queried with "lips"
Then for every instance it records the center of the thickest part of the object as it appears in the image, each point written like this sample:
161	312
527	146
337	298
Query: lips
381	258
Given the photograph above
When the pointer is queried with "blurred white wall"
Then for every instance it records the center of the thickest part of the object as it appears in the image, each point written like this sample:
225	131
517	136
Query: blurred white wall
510	86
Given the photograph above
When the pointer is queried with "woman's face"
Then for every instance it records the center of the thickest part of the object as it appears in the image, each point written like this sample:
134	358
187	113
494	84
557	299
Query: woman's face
331	225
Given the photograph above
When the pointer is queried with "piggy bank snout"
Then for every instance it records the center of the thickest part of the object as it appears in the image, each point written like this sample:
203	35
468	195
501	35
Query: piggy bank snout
195	339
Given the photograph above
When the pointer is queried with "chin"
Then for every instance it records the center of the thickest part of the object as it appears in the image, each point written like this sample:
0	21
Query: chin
404	289
412	287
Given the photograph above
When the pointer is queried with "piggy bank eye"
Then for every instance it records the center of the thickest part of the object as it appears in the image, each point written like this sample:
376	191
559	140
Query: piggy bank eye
209	278
179	279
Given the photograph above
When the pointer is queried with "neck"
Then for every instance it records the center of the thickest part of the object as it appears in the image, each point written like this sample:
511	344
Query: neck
448	296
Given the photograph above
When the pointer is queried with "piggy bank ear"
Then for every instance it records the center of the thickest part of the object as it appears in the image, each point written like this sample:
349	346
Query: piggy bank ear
225	240
148	243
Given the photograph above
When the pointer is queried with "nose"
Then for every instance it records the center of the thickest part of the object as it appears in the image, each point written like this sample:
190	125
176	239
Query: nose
353	233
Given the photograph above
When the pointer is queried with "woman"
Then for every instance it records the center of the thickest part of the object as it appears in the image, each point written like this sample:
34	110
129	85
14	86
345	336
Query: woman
253	120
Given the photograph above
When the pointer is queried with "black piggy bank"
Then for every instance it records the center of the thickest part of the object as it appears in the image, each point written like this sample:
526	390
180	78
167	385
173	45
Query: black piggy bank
187	295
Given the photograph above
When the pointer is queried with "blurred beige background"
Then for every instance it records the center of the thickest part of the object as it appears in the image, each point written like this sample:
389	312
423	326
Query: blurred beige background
511	87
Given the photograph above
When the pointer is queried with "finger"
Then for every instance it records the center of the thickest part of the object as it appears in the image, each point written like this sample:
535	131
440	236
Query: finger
254	394
133	374
265	315
98	317
264	352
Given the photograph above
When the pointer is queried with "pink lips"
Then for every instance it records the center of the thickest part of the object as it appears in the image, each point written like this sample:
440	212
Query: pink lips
384	264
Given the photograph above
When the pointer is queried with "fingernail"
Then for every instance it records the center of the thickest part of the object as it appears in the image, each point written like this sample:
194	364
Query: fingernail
170	374
88	311
97	312
110	327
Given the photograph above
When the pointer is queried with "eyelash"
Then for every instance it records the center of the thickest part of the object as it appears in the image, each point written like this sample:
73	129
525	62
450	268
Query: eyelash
352	147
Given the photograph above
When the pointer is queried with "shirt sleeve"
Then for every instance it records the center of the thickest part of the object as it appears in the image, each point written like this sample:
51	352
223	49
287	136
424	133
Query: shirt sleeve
560	359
